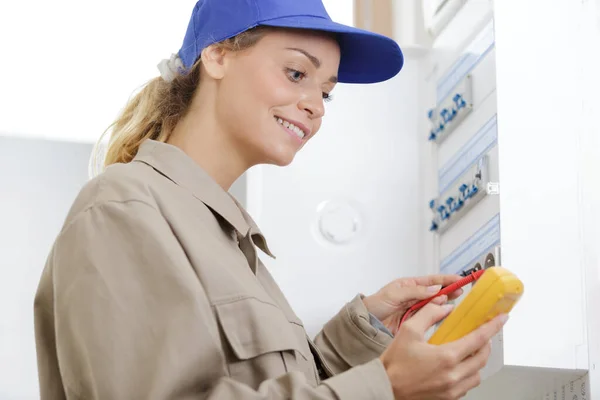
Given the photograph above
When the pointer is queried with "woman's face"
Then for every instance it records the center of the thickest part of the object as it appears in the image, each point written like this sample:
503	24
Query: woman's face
270	98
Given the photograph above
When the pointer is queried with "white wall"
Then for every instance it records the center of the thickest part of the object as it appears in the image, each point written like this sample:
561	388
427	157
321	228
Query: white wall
39	181
75	63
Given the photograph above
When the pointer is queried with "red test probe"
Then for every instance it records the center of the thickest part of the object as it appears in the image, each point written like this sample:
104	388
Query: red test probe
444	291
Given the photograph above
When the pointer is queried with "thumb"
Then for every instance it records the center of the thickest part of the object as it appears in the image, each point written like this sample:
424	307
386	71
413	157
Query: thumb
428	316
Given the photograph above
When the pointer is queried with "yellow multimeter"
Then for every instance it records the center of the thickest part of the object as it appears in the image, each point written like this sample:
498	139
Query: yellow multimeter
495	292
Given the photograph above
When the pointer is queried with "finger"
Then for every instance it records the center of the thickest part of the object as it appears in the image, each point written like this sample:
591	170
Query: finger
425	292
440	300
455	295
466	385
416	293
439	279
428	316
473	341
475	362
412	294
469	371
426	287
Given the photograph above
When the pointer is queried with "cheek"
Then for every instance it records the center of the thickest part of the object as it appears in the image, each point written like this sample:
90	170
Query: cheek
249	99
273	89
317	125
253	96
236	104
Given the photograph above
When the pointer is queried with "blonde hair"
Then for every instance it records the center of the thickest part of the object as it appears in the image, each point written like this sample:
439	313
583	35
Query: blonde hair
154	111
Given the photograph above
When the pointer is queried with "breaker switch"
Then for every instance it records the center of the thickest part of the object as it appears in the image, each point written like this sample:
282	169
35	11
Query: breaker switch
459	101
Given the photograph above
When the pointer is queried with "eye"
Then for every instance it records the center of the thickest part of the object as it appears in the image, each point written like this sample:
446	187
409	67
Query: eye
327	96
295	75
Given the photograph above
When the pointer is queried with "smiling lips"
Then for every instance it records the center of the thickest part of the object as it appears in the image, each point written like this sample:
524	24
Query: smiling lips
297	129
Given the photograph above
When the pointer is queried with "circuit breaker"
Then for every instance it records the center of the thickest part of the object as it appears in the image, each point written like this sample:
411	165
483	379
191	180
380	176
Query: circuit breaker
462	132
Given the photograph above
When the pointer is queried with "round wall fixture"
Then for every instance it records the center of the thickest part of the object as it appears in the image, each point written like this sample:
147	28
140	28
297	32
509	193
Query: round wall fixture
338	222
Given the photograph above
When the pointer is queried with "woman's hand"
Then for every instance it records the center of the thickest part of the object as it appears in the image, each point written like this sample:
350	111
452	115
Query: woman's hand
421	371
393	300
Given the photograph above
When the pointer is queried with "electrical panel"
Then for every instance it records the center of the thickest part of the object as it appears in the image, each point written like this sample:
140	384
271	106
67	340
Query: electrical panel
463	132
461	199
460	136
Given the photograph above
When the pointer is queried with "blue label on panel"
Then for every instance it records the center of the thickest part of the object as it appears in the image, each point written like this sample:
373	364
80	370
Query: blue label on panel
476	147
472	55
473	248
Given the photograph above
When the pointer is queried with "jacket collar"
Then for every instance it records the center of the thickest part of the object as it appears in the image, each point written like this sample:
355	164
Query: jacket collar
177	166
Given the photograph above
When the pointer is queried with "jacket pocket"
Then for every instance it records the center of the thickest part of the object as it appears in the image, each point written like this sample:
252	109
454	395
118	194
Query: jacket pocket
262	343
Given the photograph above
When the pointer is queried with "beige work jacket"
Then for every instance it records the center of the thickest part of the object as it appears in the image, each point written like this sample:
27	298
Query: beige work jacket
153	290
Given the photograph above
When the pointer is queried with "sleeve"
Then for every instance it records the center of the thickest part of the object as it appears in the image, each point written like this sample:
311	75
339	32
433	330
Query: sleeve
134	322
379	325
352	337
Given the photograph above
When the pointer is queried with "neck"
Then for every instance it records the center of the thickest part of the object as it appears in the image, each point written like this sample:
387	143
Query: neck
201	138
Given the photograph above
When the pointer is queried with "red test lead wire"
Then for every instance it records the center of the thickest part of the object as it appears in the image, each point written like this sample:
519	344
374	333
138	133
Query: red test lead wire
444	291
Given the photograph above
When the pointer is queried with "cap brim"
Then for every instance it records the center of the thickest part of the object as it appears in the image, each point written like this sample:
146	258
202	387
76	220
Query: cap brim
366	57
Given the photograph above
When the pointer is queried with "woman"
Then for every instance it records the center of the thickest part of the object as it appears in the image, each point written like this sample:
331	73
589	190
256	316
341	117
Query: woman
153	288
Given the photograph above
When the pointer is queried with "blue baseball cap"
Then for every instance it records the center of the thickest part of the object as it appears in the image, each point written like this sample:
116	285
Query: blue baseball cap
366	57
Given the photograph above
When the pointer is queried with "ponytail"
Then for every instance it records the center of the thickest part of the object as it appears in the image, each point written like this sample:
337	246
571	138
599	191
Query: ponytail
154	112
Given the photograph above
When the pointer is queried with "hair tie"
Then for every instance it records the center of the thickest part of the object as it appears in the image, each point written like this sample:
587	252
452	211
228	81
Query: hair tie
170	68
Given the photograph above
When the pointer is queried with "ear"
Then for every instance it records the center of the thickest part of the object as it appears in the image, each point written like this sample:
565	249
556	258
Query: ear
213	59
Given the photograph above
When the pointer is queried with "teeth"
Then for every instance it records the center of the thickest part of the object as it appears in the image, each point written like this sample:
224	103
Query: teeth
299	132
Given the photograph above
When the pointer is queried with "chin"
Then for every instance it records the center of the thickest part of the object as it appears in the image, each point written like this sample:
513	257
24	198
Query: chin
282	157
281	161
277	149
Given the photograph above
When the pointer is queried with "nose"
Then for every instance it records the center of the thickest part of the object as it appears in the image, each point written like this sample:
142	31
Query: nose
312	104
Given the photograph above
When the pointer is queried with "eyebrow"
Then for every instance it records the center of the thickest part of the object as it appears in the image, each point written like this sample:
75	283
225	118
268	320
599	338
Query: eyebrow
314	60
